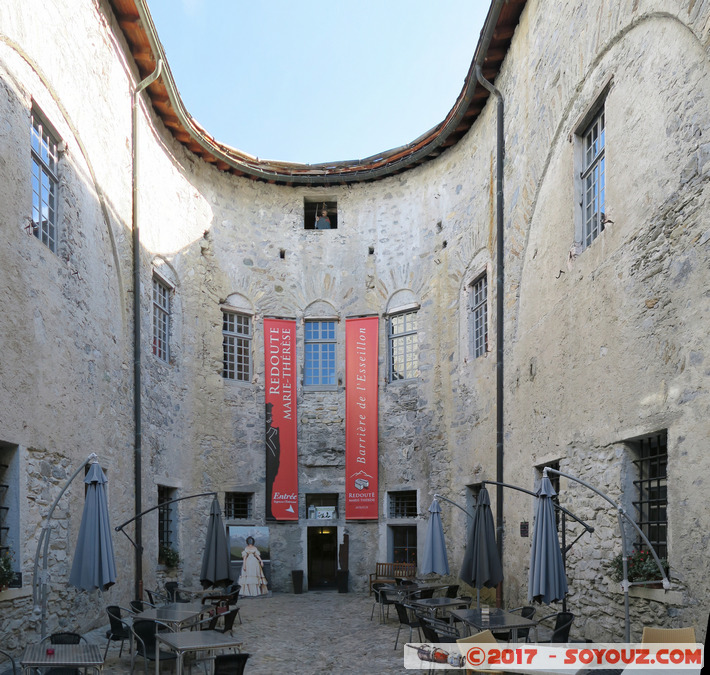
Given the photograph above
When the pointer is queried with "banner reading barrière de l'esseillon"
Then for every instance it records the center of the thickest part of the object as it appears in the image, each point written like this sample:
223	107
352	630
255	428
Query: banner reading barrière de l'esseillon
281	428
361	337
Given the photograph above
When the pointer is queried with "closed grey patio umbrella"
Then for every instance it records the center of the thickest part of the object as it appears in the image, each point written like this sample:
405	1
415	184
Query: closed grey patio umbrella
481	563
216	566
547	581
94	566
435	560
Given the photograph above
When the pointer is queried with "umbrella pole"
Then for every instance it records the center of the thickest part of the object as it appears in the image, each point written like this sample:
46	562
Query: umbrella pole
44	539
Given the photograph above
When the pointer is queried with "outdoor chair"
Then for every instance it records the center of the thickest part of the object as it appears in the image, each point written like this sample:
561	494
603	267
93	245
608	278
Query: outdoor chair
118	629
145	644
485	637
527	612
156	598
406	617
210	623
173	594
425	593
407	582
665	635
563	624
230	664
230	595
385	602
12	661
452	591
376	590
137	606
63	639
436	630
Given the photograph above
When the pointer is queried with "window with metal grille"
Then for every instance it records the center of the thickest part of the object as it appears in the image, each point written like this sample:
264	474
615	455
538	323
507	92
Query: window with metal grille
651	461
404	543
166	516
319	346
402	341
45	182
403	504
236	346
238	505
9	509
593	175
478	317
161	319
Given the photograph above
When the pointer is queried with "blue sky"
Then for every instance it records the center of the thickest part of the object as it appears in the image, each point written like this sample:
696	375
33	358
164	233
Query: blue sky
314	80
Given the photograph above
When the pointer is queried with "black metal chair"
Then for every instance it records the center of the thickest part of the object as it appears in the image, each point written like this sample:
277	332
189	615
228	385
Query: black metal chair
230	664
173	594
436	630
12	661
563	624
211	623
145	643
137	606
376	590
452	591
406	616
118	629
63	638
424	593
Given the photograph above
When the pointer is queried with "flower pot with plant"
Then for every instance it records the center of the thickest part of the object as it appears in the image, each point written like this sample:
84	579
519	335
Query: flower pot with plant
641	566
7	573
168	556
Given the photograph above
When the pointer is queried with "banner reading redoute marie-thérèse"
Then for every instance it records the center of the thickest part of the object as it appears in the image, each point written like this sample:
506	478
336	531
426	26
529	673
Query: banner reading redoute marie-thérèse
281	427
361	336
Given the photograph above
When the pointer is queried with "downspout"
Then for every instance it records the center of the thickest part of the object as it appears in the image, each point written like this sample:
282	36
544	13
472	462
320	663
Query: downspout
137	420
491	21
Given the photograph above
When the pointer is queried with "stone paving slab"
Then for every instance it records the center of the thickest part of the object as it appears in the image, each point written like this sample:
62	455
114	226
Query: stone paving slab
306	634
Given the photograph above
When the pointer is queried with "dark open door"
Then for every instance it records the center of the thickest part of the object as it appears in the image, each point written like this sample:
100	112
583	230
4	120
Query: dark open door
322	556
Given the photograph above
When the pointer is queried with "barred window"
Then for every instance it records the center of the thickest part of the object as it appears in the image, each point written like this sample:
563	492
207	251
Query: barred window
236	346
403	504
651	483
478	318
161	319
319	363
403	344
166	537
238	505
404	544
593	174
9	509
44	182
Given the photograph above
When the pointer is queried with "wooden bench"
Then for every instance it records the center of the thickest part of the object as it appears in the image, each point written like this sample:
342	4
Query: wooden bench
390	572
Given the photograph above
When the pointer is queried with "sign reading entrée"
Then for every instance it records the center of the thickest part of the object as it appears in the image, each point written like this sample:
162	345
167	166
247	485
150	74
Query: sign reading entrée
361	418
281	429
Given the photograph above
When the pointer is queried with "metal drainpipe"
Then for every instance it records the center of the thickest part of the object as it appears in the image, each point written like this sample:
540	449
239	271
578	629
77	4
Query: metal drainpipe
138	487
488	29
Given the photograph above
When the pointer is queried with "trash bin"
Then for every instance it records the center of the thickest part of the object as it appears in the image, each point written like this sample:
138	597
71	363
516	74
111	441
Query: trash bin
342	580
297	578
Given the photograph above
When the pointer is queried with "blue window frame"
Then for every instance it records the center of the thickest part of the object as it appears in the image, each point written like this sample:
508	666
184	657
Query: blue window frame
319	365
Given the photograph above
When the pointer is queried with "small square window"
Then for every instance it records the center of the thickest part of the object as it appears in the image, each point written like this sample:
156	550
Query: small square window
403	504
238	505
320	214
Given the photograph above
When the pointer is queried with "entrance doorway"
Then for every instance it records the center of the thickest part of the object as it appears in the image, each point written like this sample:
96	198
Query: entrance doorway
322	556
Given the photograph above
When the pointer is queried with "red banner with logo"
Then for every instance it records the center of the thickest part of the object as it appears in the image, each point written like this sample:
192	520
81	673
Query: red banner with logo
361	336
281	427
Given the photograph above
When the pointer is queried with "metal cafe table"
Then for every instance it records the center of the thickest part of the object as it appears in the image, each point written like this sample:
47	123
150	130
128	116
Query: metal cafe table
177	615
82	655
193	641
497	620
431	605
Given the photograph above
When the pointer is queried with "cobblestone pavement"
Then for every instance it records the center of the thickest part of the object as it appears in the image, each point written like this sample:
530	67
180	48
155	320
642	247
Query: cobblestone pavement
304	634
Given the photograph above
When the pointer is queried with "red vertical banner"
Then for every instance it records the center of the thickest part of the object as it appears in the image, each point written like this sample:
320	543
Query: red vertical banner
361	338
281	427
